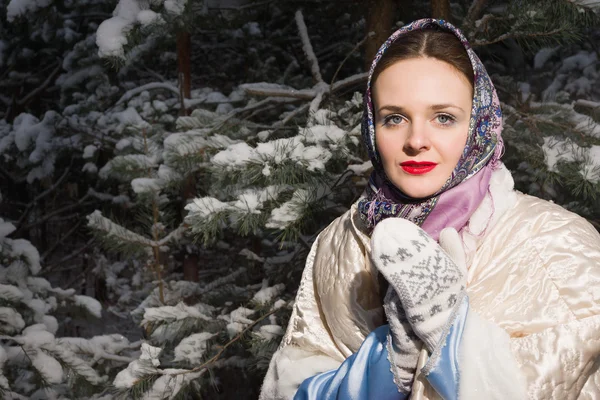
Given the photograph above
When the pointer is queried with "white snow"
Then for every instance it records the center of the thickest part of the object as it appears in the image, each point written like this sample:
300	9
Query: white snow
10	320
90	167
278	304
172	313
145	185
175	6
307	46
17	8
170	383
244	252
288	212
47	366
111	37
591	169
23	248
266	294
193	347
207	206
129	117
135	370
89	151
266	171
11	293
578	61
123	143
6	228
361	169
557	150
148	17
50	323
253	29
234	329
241	315
263	135
111	34
92	305
542	56
324	133
252	200
270	332
235	155
151	353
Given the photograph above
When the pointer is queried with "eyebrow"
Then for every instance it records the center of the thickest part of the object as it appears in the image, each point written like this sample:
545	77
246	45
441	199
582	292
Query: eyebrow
434	107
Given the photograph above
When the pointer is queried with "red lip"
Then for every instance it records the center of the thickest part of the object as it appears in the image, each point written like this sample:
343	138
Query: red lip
418	167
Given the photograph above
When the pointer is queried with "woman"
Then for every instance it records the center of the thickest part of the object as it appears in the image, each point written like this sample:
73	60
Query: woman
488	293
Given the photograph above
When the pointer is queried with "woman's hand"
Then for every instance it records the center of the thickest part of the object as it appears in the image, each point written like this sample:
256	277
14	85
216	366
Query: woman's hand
428	282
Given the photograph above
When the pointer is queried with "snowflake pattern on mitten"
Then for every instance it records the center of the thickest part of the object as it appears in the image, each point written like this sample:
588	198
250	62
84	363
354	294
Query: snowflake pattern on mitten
428	282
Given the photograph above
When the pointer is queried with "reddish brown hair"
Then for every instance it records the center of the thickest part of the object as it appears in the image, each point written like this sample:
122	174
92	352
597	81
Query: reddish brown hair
437	44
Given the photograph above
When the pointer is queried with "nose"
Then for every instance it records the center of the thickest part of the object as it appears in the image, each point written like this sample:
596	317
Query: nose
417	140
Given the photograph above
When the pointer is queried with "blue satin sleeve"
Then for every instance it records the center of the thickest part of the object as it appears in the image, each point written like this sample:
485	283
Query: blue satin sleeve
444	376
364	375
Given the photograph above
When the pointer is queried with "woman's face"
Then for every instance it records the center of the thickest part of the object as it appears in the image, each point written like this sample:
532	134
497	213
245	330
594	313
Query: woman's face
422	111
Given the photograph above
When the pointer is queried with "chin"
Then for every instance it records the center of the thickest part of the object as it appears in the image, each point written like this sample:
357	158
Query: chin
418	194
416	190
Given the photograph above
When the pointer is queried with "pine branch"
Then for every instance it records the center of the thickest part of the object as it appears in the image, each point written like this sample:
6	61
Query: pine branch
217	356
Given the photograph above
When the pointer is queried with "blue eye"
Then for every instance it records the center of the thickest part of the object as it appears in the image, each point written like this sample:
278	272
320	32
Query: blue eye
445	119
393	119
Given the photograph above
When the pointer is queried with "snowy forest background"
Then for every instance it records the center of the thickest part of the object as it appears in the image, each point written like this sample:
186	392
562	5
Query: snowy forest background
165	166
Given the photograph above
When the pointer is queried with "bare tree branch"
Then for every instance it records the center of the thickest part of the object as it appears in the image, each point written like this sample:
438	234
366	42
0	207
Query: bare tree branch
307	47
260	89
44	194
149	86
514	35
60	241
36	92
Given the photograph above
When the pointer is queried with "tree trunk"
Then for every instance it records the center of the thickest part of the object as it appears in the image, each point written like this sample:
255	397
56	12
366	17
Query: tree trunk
381	15
184	70
191	263
440	9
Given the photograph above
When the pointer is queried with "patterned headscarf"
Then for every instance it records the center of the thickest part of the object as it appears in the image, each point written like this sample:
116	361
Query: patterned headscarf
455	202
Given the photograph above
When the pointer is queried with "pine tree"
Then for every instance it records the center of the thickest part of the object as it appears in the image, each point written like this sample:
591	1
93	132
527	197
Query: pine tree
236	179
34	361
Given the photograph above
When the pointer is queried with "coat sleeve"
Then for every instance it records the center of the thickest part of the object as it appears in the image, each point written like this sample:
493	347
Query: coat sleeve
336	307
562	361
539	280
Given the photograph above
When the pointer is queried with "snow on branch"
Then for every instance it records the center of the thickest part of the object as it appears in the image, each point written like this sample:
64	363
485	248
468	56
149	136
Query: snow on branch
97	221
149	86
307	46
271	89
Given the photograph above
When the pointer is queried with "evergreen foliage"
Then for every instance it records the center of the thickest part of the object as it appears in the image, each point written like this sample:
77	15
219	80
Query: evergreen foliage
200	210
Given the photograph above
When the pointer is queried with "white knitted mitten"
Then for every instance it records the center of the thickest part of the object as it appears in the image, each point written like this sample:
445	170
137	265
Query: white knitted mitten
403	345
430	285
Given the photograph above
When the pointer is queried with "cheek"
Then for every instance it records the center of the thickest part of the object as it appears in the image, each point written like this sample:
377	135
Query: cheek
388	146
